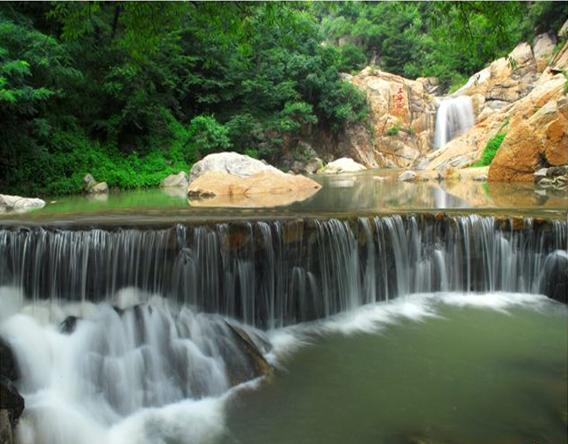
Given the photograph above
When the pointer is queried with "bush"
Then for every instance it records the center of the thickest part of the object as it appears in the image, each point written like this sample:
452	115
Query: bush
393	130
490	150
205	136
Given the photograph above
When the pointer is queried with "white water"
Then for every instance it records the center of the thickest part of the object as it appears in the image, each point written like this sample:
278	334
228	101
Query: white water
148	374
453	118
94	386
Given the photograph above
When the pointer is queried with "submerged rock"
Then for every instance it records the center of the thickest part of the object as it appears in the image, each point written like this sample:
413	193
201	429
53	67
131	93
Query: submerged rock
343	165
264	189
231	163
178	180
19	204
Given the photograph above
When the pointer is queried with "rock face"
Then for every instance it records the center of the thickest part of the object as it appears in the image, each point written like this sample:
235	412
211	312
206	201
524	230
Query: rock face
229	162
343	165
402	114
504	81
263	189
19	204
511	97
175	180
531	143
91	186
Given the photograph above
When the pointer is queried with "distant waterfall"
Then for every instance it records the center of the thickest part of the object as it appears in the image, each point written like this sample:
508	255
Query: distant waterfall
454	117
274	273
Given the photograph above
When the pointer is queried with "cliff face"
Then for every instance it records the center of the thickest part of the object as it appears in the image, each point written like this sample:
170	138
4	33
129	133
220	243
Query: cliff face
523	96
402	116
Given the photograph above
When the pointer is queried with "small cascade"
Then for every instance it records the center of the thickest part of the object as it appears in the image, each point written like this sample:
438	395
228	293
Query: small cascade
88	367
454	117
274	273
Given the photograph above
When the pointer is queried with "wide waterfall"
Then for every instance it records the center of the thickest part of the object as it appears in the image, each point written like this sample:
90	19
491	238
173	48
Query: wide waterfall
274	273
454	117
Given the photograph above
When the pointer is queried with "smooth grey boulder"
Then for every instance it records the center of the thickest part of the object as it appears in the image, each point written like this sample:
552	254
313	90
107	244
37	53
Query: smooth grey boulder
90	185
179	180
230	162
19	203
342	165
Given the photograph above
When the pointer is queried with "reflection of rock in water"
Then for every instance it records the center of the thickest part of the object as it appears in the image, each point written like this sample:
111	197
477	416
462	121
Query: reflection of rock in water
179	192
97	197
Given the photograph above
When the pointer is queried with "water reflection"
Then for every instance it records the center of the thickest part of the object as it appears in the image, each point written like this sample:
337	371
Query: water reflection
372	192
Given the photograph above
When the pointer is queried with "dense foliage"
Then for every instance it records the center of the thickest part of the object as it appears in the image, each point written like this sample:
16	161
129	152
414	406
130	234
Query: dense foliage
448	40
131	92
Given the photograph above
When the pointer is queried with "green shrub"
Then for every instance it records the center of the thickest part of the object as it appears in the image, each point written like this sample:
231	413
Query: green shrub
490	150
393	130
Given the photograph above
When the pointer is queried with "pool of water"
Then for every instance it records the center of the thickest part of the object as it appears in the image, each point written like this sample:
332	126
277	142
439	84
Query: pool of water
370	192
450	369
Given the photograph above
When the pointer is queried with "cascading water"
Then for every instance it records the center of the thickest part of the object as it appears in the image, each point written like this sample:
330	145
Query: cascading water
270	274
111	331
454	117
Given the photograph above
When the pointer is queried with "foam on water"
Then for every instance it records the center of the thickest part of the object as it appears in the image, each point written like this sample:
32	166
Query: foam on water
418	307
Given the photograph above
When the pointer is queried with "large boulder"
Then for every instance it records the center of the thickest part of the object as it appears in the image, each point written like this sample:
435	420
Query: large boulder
19	204
263	189
343	165
532	143
175	180
232	163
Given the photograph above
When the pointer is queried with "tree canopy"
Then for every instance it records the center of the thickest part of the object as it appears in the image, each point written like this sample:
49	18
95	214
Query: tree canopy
136	90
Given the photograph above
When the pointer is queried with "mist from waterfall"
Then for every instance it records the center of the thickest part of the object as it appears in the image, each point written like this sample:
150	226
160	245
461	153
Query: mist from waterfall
454	117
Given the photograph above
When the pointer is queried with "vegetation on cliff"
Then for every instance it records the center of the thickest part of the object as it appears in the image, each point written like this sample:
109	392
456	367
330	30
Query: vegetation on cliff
132	92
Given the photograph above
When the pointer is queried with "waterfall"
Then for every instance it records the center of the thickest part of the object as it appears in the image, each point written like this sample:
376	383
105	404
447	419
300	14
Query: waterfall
274	273
454	117
124	335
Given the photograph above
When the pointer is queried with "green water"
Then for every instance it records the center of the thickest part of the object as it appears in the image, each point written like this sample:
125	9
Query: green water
371	192
472	375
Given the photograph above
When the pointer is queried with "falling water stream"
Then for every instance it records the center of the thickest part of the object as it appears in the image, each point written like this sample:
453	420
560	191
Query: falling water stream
454	117
127	335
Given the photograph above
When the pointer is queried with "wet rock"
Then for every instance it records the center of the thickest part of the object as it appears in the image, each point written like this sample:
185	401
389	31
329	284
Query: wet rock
6	433
11	408
407	176
8	364
343	165
179	180
556	276
19	204
69	324
250	348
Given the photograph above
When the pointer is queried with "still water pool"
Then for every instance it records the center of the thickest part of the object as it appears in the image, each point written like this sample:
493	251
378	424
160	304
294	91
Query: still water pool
426	369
